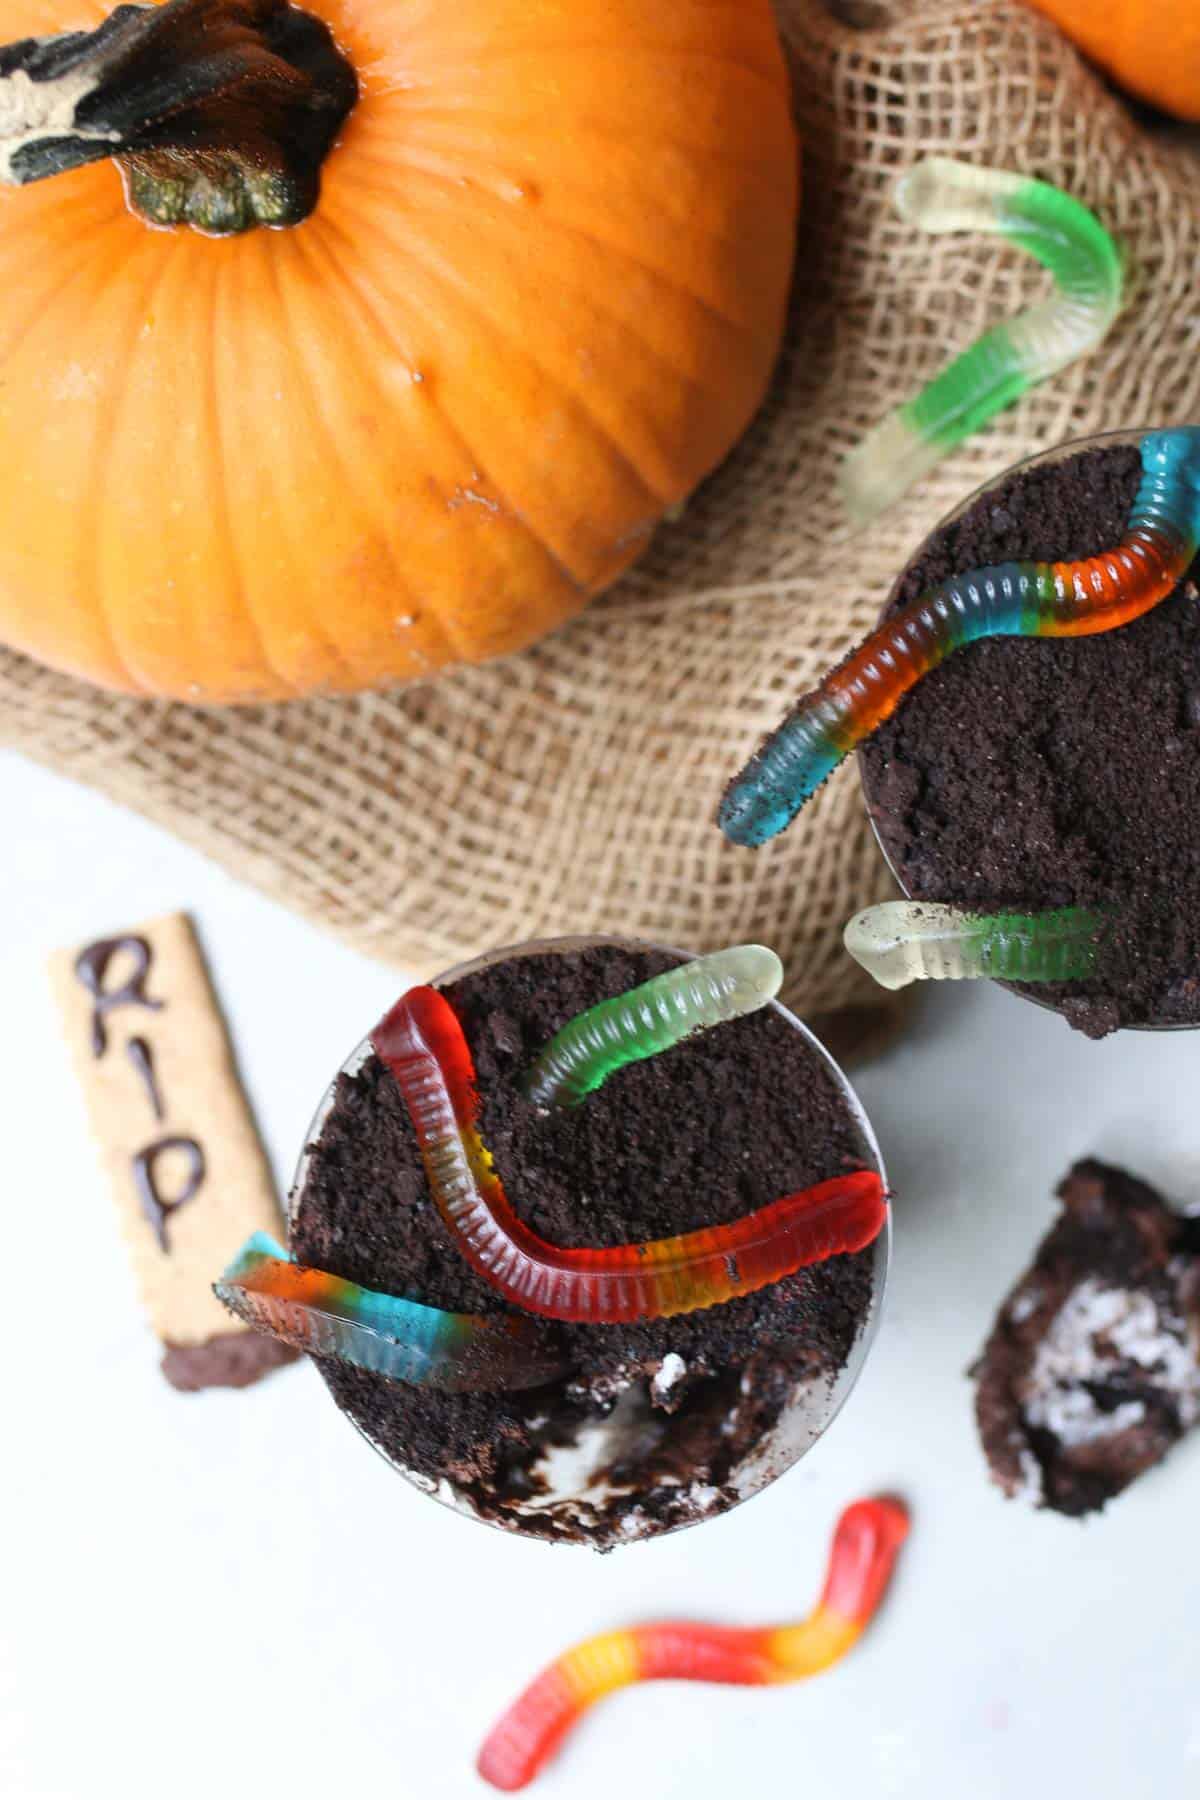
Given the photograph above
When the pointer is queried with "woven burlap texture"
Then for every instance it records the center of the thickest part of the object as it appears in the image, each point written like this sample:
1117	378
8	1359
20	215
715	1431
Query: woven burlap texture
573	788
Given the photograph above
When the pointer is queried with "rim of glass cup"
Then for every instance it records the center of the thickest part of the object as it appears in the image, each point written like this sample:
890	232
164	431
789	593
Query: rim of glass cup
810	1413
1097	440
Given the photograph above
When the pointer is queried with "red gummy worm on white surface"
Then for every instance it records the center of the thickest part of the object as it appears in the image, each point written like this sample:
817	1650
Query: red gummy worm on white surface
865	1546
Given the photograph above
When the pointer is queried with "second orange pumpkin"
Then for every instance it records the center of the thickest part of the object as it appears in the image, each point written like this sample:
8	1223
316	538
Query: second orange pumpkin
1151	47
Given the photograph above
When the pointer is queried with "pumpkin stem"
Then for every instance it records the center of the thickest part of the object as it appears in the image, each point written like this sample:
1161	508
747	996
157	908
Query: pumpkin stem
219	113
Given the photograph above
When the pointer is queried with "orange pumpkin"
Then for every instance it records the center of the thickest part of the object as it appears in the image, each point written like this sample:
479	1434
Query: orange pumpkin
537	299
1151	47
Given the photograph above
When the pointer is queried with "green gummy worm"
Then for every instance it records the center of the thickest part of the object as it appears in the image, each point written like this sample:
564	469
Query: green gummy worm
915	940
695	996
942	195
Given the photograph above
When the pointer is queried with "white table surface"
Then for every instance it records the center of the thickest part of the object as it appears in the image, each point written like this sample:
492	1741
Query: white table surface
229	1595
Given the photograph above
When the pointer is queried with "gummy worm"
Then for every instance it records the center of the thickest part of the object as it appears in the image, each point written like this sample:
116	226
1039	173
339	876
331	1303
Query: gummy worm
696	996
1026	599
865	1546
326	1316
942	195
422	1042
903	941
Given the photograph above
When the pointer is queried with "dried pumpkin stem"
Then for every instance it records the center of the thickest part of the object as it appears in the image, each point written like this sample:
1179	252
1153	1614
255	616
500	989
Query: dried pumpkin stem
219	113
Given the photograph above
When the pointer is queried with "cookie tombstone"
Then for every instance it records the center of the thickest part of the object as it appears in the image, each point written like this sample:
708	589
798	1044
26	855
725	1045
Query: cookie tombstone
184	1161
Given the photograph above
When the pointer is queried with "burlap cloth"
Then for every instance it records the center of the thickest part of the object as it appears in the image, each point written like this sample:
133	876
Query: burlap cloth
572	788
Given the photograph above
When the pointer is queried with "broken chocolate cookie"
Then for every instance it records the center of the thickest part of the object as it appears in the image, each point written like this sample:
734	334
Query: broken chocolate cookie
1092	1370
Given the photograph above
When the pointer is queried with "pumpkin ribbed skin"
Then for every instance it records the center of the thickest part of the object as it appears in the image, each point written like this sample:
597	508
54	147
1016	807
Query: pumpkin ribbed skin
1151	47
538	301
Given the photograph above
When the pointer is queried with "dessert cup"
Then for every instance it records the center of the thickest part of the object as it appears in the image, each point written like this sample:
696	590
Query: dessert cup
1109	693
600	1480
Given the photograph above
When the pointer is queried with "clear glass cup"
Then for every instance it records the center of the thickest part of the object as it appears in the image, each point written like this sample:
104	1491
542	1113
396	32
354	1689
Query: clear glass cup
814	1405
1103	440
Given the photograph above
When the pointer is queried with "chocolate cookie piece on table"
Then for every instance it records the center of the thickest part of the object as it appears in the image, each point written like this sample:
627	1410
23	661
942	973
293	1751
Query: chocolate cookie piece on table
1092	1369
187	1170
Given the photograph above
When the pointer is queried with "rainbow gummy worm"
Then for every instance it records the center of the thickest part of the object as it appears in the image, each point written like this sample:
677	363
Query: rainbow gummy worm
1069	599
942	195
865	1546
327	1316
910	940
422	1043
658	1015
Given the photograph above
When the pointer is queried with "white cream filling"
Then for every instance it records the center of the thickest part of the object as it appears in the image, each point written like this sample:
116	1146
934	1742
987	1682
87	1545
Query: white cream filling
670	1372
1094	1332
